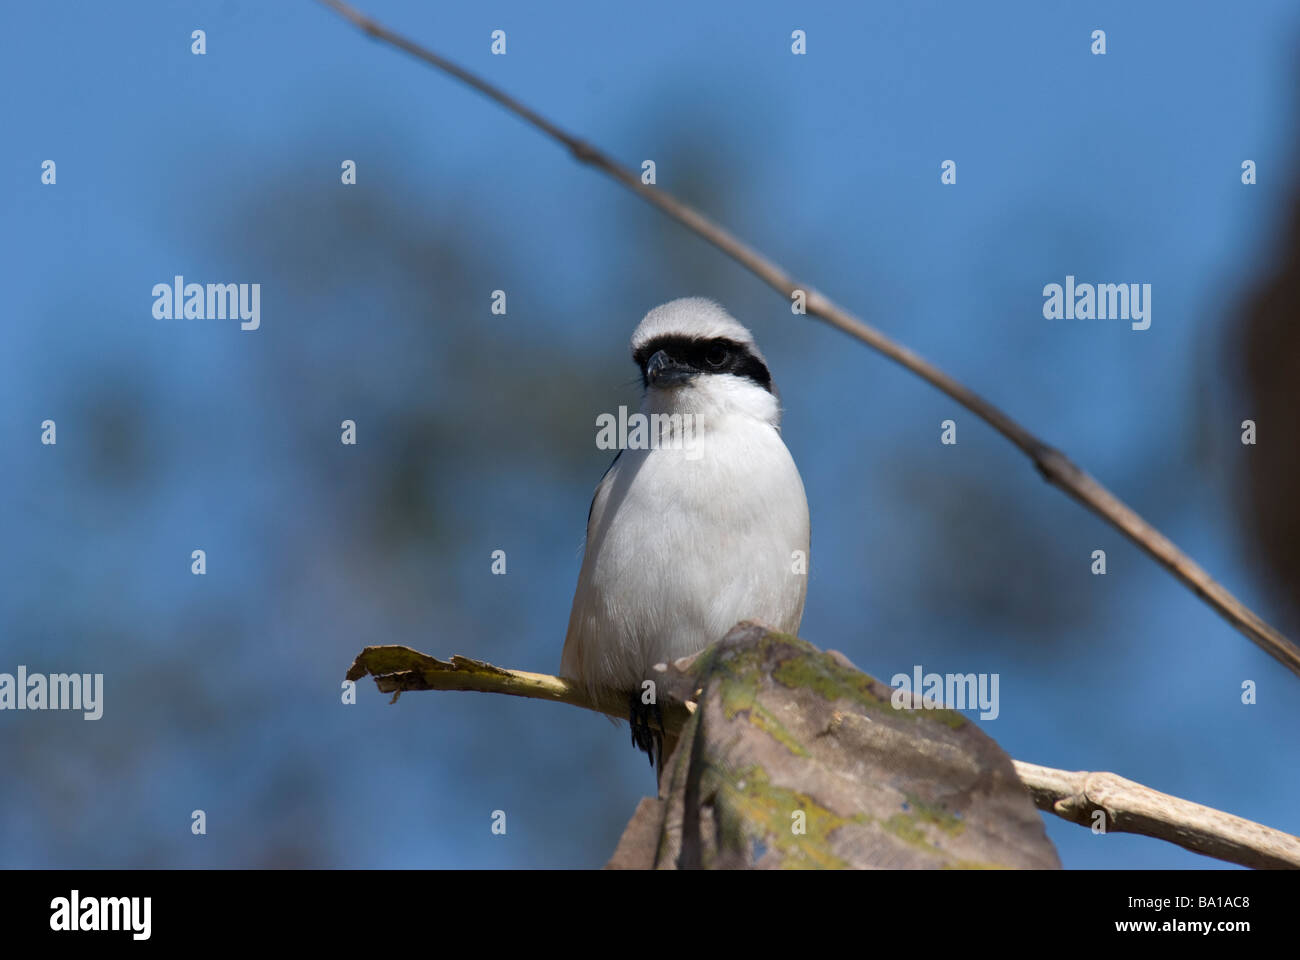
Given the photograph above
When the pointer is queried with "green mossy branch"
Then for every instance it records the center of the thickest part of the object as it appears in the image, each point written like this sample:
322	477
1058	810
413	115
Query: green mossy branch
1078	796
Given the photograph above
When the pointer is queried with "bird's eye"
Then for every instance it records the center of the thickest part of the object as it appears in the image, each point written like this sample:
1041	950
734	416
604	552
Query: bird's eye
716	355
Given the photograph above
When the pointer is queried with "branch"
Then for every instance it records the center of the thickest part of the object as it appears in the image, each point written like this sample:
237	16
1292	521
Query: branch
1054	465
397	669
1132	808
1129	807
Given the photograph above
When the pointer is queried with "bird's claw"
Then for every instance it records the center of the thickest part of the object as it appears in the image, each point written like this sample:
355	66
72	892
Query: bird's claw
647	736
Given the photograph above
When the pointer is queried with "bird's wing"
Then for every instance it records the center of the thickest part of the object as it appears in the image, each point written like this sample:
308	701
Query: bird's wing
571	659
599	486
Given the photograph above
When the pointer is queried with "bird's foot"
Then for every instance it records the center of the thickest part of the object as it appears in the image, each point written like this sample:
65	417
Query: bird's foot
647	723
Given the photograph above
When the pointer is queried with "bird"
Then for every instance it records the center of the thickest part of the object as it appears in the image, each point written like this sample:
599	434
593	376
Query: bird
702	526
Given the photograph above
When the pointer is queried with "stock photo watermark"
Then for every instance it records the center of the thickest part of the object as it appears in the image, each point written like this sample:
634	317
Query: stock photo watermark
57	691
75	913
948	691
655	431
1101	301
213	301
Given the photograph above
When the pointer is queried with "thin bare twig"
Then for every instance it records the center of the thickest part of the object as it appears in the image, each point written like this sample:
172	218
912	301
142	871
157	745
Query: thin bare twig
1128	807
1054	465
397	669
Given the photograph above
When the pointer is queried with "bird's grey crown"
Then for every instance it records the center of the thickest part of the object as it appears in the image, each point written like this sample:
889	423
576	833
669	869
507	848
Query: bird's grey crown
697	318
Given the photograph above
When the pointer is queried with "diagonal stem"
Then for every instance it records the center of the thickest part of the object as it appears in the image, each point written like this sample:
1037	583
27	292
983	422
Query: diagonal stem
1054	465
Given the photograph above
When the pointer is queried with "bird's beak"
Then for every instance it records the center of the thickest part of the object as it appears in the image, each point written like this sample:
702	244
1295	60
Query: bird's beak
661	370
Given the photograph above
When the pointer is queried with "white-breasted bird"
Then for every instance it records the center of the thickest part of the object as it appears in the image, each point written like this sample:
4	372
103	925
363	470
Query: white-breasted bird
706	527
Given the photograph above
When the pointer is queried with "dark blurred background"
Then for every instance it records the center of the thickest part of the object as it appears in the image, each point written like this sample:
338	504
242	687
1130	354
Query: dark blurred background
476	432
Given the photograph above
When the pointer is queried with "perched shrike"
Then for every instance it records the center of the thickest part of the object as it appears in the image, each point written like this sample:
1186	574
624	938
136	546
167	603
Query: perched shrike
707	527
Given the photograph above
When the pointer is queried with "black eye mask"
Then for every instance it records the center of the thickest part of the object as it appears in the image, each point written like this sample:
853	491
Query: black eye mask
716	355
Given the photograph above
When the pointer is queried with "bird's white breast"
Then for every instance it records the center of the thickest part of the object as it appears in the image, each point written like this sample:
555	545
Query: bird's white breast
684	543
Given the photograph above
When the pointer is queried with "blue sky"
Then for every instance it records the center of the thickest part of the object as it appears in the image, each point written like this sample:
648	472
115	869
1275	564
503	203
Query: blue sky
476	431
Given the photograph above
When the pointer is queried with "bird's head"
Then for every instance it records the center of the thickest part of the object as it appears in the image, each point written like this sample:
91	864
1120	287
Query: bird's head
695	357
